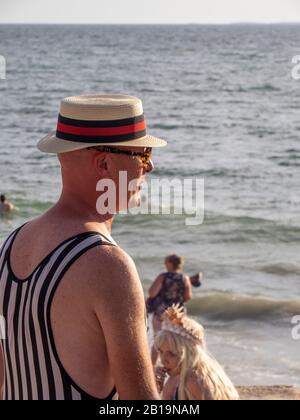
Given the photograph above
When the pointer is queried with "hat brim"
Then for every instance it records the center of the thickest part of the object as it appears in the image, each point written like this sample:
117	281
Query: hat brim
51	144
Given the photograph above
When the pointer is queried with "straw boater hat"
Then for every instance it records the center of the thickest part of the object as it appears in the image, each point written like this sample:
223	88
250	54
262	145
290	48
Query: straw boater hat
94	120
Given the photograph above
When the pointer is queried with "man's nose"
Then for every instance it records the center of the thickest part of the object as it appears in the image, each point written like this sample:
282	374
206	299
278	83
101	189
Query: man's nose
150	166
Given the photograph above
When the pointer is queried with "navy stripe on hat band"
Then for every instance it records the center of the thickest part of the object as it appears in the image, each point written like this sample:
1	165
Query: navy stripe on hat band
100	124
102	139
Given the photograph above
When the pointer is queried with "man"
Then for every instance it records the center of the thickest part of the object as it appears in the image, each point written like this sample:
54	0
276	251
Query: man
5	205
72	299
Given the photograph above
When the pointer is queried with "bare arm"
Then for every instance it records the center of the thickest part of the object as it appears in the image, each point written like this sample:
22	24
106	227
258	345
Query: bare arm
156	286
1	372
188	289
120	308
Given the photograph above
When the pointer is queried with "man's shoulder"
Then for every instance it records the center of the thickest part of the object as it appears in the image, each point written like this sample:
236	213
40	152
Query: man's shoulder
107	256
106	264
111	276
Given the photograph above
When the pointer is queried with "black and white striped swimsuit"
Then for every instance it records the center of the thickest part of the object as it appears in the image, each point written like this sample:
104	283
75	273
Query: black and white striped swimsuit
32	368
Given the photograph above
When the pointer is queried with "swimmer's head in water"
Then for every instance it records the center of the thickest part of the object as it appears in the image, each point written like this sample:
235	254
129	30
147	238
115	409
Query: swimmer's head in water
2	198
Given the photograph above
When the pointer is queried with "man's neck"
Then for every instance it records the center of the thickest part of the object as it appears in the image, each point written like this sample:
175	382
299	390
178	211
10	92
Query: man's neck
71	208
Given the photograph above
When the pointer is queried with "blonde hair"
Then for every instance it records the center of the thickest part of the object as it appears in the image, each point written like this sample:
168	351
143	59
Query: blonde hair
195	359
176	260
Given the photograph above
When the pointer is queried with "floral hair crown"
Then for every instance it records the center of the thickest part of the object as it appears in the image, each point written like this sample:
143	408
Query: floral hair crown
175	321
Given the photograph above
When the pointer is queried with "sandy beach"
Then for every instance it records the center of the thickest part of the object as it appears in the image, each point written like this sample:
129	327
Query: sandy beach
279	392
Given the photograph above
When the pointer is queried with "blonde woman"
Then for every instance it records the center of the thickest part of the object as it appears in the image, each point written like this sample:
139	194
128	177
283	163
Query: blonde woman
193	373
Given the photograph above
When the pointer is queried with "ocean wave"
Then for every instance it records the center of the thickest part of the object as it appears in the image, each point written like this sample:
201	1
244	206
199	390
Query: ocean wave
289	164
282	269
231	228
230	307
179	126
266	87
190	172
251	229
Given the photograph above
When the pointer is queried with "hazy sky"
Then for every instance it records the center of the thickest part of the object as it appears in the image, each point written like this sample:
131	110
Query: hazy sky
149	11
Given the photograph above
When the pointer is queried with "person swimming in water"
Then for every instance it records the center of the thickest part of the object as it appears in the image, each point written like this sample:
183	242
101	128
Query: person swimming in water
5	205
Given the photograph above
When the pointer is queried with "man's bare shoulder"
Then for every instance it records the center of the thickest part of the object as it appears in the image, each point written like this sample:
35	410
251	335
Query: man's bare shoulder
107	268
108	259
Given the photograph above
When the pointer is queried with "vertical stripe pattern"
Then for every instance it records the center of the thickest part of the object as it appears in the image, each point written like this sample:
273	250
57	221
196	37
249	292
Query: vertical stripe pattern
32	368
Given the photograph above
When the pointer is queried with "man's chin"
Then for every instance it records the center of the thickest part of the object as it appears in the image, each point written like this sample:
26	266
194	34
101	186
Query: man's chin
135	200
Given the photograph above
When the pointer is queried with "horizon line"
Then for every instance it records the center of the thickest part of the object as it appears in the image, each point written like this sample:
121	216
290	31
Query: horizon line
154	23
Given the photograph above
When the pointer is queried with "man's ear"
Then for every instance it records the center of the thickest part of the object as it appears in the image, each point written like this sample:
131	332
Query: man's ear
100	163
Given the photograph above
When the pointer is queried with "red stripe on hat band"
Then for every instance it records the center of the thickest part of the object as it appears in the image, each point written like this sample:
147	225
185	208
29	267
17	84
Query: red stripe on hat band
107	131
